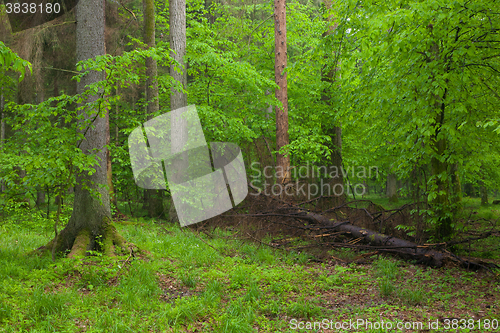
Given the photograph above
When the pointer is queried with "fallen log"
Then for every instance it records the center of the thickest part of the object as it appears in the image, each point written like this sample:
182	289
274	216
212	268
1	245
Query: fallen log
423	254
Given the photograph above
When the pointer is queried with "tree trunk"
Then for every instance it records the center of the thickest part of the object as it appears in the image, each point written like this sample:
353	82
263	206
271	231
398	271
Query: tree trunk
154	197
90	222
40	198
335	187
2	132
392	188
280	59
111	47
178	99
381	242
109	168
39	80
484	194
421	253
456	187
469	190
441	202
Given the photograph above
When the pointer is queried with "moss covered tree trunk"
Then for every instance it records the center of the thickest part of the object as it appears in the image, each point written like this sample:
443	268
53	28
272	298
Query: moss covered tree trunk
89	227
336	189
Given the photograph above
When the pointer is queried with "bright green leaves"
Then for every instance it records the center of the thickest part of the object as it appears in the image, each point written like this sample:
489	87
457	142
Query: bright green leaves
11	61
230	91
417	73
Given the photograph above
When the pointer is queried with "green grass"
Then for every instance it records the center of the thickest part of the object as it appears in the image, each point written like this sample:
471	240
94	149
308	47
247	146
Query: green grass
473	205
229	286
384	201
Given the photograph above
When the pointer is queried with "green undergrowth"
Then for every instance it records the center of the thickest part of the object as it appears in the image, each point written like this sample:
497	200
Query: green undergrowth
192	282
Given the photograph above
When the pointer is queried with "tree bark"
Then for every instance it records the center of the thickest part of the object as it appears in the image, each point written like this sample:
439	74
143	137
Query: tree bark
280	63
154	197
89	227
178	99
422	254
392	188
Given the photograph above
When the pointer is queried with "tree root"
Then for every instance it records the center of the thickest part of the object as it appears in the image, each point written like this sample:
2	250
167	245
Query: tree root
115	243
110	243
81	244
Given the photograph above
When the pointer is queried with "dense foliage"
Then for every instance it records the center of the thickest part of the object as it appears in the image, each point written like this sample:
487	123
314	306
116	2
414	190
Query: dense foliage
415	91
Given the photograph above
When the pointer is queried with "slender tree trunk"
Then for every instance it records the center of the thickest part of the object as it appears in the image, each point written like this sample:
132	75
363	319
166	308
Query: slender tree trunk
155	197
117	128
40	195
484	194
336	186
267	158
469	190
2	132
109	167
111	47
112	194
392	188
456	186
280	63
441	201
440	204
178	99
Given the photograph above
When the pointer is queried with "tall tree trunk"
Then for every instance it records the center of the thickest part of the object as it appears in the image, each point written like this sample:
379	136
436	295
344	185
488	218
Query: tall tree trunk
109	168
112	194
117	128
441	202
336	186
178	99
40	195
2	132
91	217
280	58
111	47
154	197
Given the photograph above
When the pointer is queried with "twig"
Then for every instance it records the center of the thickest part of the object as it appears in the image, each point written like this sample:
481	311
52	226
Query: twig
128	10
123	265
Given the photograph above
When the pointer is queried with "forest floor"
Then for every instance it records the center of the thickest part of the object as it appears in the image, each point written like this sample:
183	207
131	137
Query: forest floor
193	282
